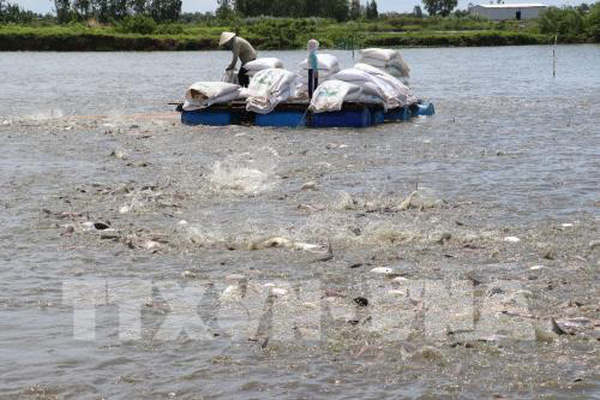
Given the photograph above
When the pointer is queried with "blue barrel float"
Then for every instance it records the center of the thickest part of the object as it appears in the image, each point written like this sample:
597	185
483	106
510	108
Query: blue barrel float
352	115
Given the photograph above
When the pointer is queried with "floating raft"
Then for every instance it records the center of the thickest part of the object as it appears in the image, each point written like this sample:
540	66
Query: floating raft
352	115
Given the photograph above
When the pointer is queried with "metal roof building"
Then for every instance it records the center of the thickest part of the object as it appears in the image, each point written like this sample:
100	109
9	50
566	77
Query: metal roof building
500	12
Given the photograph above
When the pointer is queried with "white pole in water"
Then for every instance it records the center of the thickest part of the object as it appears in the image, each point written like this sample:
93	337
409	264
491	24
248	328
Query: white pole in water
554	56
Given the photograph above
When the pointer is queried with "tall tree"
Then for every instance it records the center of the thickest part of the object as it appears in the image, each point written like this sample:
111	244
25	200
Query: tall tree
417	12
165	10
287	8
253	8
118	9
139	6
296	8
241	6
355	9
264	7
13	13
63	10
83	8
337	9
224	10
440	7
313	8
372	12
101	10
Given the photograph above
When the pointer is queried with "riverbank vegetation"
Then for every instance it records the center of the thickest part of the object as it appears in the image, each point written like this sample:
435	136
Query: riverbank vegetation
101	25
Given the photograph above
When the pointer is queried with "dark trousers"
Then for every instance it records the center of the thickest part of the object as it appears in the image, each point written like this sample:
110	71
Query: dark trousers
313	82
243	78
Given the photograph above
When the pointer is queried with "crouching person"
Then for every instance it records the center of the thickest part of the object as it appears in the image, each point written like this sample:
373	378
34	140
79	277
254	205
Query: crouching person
241	50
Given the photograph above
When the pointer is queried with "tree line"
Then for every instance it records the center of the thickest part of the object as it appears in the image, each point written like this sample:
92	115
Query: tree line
161	11
578	22
572	23
13	13
165	11
439	7
340	10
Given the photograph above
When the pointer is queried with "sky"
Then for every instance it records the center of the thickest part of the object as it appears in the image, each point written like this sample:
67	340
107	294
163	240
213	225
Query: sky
44	6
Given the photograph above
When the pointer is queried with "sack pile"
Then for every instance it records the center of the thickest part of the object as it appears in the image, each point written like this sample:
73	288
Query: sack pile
332	94
373	80
378	90
400	95
390	91
268	88
204	94
389	60
253	67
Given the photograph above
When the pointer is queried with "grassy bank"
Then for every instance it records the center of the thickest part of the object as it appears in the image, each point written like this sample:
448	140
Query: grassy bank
68	38
272	34
457	39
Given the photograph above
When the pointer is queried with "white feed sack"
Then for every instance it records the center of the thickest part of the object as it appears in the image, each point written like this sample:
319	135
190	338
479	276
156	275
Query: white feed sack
331	95
204	94
268	88
389	60
262	63
401	93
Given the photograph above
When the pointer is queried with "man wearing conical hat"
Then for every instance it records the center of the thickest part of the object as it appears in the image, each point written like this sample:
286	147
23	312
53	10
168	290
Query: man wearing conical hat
241	49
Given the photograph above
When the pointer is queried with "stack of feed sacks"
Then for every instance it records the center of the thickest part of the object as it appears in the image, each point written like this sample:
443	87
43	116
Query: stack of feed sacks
400	94
374	89
389	60
268	88
328	66
262	63
332	94
204	94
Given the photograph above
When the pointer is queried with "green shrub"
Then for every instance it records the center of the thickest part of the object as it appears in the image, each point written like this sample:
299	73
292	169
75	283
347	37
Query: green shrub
412	28
567	22
12	13
169	29
592	23
137	24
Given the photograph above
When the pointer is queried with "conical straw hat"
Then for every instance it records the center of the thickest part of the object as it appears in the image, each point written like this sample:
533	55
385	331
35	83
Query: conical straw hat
226	37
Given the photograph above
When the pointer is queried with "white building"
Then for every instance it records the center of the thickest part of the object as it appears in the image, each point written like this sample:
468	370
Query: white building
500	12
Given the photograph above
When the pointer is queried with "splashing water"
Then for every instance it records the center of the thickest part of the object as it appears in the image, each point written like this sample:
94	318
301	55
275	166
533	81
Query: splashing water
54	113
249	173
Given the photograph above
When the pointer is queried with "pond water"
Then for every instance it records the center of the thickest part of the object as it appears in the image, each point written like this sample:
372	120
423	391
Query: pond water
203	222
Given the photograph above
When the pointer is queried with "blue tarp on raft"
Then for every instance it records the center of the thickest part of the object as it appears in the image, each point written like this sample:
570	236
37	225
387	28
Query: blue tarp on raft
352	115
